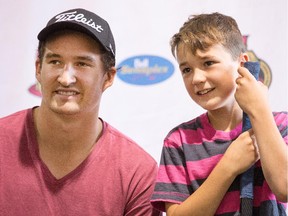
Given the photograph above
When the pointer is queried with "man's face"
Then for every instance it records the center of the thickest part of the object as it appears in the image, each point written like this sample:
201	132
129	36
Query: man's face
71	74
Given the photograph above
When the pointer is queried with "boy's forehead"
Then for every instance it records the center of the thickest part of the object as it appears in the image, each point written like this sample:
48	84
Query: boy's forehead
189	48
194	43
183	50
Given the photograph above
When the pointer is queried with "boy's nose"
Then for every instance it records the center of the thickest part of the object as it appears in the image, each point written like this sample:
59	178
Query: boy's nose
198	76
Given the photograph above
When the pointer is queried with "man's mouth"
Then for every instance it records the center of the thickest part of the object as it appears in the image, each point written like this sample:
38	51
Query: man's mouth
66	93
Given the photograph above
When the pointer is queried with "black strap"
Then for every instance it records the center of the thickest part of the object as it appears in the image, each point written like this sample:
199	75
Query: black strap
246	207
246	183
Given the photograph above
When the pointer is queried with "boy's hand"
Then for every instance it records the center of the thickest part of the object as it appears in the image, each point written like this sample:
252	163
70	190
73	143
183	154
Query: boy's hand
251	95
242	153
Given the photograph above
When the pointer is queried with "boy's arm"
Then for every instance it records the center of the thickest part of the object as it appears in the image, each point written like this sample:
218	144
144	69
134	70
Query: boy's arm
252	97
273	152
240	155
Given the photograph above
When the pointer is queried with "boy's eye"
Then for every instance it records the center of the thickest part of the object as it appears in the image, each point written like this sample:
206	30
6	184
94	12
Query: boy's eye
208	63
186	70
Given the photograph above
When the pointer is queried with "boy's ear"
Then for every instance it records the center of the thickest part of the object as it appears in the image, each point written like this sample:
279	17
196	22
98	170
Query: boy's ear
243	58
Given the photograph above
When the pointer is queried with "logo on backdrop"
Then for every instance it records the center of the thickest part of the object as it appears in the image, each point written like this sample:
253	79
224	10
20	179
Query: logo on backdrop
35	89
265	75
145	70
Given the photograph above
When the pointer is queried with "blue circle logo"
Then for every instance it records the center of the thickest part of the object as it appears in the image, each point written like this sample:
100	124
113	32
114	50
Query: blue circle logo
145	70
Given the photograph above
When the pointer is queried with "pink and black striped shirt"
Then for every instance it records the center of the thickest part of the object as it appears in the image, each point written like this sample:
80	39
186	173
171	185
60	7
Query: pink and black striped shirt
191	151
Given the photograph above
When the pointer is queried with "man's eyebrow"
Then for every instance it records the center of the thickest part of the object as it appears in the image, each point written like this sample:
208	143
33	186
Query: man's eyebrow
85	58
52	55
81	58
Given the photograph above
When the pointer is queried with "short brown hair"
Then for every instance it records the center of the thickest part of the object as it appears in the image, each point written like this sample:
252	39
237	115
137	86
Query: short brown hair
204	30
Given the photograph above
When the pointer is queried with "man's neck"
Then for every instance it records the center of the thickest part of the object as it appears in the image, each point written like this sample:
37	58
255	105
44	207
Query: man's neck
64	144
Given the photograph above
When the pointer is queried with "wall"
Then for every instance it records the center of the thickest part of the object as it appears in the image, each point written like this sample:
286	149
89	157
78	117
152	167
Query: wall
145	113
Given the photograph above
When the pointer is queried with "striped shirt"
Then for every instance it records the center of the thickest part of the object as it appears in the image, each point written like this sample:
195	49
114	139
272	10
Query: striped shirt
191	151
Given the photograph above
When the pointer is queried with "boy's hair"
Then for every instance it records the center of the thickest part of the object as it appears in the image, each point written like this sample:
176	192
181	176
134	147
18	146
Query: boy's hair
204	30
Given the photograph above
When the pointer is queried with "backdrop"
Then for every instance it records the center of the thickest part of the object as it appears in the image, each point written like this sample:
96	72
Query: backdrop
144	111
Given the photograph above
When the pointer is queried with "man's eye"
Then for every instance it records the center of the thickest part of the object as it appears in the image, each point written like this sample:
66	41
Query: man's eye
82	64
54	62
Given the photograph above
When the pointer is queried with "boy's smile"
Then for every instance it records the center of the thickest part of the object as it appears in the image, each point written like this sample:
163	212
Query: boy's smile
205	91
209	76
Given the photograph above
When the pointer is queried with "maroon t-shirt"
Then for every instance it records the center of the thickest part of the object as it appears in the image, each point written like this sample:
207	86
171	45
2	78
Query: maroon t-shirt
117	178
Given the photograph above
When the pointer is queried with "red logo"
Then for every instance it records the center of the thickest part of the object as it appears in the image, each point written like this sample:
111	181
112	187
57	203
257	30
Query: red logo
35	89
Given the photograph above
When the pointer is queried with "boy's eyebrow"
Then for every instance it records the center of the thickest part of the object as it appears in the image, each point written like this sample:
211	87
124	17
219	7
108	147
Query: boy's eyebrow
182	63
202	58
205	56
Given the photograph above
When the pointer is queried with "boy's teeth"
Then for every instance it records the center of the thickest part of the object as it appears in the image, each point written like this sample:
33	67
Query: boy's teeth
204	91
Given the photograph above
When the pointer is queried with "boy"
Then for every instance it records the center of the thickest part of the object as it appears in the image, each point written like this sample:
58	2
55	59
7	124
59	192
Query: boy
202	159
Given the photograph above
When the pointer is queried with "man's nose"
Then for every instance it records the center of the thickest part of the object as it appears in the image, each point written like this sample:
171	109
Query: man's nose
67	76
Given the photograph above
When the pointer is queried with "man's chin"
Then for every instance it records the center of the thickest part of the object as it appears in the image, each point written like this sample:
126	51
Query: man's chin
66	109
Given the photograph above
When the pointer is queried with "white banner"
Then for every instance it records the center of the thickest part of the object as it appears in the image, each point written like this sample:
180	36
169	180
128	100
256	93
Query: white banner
142	29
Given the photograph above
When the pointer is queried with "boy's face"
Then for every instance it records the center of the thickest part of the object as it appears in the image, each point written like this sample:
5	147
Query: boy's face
209	76
72	77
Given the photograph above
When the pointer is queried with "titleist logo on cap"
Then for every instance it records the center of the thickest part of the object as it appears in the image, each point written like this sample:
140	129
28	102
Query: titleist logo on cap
73	16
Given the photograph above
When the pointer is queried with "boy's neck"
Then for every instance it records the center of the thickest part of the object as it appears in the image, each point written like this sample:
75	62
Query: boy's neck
225	120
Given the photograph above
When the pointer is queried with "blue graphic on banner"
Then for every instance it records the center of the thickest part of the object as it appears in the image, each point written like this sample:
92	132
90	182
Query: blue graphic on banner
145	70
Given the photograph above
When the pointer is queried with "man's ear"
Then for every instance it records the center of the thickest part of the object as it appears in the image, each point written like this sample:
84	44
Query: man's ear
110	75
38	69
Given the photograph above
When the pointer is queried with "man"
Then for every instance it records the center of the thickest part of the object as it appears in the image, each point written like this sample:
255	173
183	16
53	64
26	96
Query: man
60	158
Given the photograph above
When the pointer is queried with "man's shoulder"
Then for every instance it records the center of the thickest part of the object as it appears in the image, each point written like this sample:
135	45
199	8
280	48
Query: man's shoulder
126	144
14	118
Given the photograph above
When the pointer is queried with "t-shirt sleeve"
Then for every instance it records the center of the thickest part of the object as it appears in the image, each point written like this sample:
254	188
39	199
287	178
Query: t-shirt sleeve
281	119
172	183
142	186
